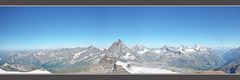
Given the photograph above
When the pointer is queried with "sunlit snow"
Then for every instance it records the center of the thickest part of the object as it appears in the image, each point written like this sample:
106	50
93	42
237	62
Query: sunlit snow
157	51
144	70
30	72
77	54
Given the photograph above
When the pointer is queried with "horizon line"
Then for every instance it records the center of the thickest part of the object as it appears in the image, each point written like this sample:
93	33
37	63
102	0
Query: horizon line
129	46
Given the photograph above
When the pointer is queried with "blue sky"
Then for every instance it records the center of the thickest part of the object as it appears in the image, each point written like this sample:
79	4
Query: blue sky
53	27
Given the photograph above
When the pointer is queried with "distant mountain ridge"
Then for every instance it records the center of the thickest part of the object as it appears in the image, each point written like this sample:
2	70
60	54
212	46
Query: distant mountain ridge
96	60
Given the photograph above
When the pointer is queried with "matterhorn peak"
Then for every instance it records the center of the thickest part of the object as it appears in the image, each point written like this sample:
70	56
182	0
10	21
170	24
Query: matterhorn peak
118	47
119	41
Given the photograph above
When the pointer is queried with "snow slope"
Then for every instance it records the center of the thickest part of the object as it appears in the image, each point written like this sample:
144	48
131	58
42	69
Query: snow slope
144	51
77	54
30	72
144	70
129	56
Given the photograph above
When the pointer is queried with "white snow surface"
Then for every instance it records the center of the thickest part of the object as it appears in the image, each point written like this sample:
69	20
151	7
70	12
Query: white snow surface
101	49
189	50
121	63
144	70
157	51
73	61
30	72
77	54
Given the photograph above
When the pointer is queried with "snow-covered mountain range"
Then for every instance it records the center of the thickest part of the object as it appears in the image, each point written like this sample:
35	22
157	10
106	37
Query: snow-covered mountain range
119	58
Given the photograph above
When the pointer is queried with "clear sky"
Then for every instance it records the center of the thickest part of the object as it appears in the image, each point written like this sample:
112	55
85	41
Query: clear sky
53	27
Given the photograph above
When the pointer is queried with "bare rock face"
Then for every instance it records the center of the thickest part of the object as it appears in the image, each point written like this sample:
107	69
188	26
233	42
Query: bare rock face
118	69
104	66
19	67
107	60
101	69
233	68
232	55
107	65
119	48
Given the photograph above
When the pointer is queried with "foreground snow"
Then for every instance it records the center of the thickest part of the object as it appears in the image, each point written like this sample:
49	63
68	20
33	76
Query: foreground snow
30	72
144	70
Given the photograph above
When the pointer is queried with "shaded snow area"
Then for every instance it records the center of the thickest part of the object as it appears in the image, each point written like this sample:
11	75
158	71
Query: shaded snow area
30	72
129	56
144	51
144	70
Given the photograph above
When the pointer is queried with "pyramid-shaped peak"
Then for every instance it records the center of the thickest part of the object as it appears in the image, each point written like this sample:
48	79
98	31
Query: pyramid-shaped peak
118	47
119	41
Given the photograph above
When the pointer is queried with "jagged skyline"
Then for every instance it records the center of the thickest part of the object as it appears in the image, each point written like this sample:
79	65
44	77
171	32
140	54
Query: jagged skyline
54	27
